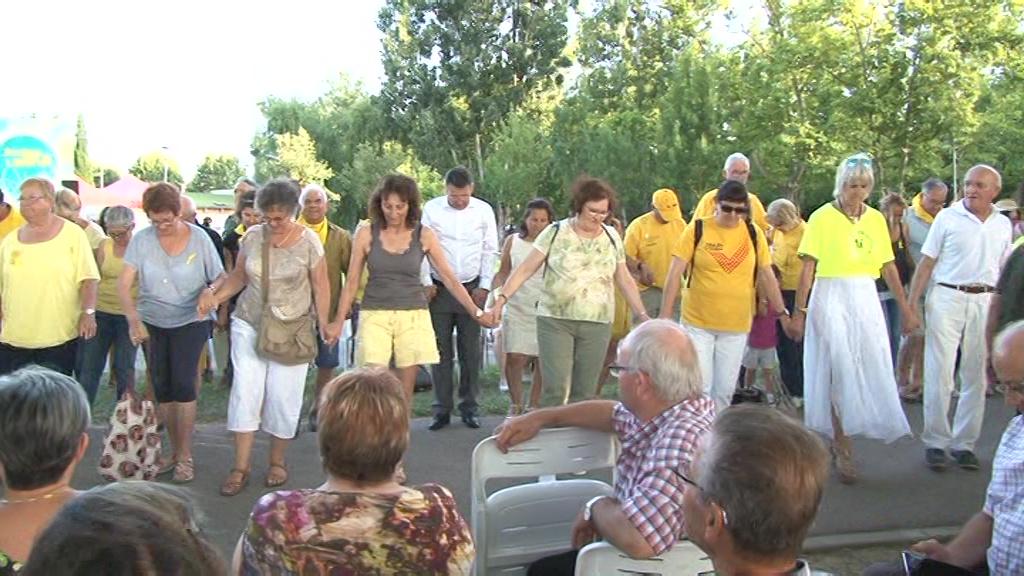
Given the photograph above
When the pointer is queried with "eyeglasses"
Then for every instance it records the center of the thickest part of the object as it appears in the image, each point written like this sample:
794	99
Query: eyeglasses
117	235
686	479
30	199
726	209
162	223
617	370
852	162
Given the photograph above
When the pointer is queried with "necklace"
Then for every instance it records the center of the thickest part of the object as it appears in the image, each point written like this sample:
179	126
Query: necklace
854	219
46	496
287	236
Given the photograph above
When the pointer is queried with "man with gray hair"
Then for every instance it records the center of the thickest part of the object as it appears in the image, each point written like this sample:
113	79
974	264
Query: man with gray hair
662	414
757	481
961	258
737	167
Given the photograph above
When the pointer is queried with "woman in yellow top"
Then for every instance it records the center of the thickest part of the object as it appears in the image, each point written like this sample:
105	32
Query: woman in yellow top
850	386
111	323
726	261
787	231
47	284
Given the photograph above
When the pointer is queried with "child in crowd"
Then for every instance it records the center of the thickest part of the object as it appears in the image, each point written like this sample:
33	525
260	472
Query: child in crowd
760	357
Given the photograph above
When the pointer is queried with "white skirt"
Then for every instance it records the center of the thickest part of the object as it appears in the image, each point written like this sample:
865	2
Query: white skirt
847	362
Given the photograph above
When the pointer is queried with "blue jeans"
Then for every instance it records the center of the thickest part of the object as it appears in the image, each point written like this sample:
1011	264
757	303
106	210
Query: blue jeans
111	330
894	322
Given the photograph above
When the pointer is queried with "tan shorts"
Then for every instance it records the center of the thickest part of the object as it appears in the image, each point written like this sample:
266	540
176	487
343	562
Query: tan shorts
406	334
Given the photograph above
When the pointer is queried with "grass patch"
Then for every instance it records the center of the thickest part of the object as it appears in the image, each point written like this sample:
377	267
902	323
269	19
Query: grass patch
213	398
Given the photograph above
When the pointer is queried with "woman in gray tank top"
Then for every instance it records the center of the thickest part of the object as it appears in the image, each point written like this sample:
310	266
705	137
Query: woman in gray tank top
393	317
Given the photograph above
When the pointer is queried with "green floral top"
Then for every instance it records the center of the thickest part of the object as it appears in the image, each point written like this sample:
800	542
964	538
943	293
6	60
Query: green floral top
8	567
579	275
311	532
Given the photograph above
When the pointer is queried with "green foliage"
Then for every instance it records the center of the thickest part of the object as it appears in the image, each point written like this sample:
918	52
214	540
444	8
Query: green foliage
109	176
217	172
83	167
152	167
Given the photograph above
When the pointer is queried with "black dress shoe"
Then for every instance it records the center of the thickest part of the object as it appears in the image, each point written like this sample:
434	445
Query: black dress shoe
471	420
439	421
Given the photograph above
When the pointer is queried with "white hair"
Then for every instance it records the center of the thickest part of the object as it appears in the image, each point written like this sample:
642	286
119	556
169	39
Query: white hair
733	158
999	177
856	167
313	188
189	202
655	348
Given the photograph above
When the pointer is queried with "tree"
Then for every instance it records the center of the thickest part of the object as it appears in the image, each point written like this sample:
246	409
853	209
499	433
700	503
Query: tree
217	172
106	175
296	158
151	167
83	167
518	167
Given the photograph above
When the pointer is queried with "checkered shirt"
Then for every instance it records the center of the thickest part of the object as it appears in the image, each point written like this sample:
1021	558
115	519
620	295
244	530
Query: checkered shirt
1005	503
650	492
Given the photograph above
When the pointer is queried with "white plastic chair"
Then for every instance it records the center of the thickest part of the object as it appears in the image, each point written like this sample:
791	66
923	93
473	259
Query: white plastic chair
603	559
514	527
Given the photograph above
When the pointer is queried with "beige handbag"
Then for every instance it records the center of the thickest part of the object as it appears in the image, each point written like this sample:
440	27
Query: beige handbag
288	342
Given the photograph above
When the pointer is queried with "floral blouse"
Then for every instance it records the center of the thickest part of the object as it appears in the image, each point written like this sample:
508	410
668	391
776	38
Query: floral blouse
312	532
8	567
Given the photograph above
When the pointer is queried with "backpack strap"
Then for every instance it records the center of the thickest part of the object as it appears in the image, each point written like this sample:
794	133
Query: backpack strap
698	232
753	240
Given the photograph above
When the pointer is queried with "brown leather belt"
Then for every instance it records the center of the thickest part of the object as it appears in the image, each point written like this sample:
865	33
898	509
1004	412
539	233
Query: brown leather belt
970	288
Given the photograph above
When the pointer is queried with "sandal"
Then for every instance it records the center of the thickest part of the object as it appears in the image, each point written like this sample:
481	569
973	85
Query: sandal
514	410
845	466
184	472
232	488
165	466
275	481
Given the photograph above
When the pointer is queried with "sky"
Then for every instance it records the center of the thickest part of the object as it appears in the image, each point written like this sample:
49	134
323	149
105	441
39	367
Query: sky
185	75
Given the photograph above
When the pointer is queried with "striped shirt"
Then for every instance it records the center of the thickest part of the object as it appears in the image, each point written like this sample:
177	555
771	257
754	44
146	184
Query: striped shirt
647	486
1005	503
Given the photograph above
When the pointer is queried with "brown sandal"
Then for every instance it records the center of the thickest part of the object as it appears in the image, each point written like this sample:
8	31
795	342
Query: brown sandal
231	488
184	472
273	482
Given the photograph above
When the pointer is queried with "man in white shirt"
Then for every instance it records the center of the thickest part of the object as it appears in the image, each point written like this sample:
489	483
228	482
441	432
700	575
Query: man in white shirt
469	235
965	248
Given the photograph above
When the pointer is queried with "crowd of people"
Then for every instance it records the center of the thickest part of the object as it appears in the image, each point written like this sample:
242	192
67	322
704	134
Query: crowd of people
856	305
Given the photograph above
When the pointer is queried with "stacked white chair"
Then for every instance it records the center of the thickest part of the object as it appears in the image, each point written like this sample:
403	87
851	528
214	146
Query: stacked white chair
515	526
603	559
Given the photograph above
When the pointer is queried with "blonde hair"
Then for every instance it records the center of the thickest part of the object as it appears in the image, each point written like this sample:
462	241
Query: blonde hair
856	167
44	186
891	200
784	212
364	425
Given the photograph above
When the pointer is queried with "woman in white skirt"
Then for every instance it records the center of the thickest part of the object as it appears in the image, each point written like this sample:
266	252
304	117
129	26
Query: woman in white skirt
849	386
519	325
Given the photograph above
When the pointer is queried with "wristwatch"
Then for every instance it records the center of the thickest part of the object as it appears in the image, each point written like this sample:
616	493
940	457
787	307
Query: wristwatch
479	313
588	508
89	311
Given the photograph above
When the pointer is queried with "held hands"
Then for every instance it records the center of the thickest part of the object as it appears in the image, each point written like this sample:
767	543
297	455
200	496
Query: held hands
137	332
479	296
86	326
430	291
330	333
795	327
911	320
207	302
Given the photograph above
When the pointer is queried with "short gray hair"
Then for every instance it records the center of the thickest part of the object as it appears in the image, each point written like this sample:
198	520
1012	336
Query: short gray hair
999	177
768	472
932	184
43	415
735	157
279	193
118	216
659	348
313	188
63	197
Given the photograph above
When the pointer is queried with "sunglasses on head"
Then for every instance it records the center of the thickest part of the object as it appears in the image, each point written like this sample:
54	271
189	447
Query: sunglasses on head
859	160
726	209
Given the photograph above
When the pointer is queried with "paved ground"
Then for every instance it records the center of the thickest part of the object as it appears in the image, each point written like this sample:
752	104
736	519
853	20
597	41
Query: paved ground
897	492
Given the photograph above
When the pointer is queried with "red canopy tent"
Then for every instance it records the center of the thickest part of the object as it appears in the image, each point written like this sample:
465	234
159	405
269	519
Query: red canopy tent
125	192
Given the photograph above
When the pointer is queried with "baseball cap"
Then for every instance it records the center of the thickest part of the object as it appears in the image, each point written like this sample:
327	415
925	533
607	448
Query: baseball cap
667	204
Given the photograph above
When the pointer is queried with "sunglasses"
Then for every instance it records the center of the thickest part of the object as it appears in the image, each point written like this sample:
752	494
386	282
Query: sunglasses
852	162
726	209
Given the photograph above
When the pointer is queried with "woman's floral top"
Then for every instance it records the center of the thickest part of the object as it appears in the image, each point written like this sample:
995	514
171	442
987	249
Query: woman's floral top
312	532
8	566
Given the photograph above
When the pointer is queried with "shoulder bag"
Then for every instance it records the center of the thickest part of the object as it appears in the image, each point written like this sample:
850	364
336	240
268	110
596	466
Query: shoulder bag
288	342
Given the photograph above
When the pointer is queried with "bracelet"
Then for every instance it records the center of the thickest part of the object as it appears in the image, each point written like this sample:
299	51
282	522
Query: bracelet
503	296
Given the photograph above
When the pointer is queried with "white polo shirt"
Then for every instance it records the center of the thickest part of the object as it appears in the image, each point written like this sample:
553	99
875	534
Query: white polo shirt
967	250
469	238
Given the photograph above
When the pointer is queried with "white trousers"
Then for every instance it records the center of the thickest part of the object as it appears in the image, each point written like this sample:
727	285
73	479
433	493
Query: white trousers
264	394
955	319
720	355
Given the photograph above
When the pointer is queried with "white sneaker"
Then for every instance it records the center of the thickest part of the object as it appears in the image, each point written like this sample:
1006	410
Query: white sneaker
502	385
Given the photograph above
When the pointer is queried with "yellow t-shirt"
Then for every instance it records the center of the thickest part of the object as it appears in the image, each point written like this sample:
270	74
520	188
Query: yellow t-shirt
107	299
651	242
95	234
40	286
785	255
706	209
844	248
320	229
721	294
12	222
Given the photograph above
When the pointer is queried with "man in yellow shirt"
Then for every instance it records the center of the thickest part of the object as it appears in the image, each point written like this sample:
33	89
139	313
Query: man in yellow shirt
10	218
737	167
649	241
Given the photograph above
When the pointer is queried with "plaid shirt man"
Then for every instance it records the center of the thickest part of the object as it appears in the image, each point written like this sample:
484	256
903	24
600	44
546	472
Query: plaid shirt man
1005	503
648	488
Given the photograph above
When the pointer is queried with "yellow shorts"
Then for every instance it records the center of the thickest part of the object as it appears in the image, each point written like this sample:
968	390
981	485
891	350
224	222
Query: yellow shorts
406	334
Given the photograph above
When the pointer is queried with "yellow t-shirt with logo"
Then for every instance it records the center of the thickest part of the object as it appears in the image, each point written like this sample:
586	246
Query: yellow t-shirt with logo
12	222
40	286
845	248
652	242
706	209
721	294
785	255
